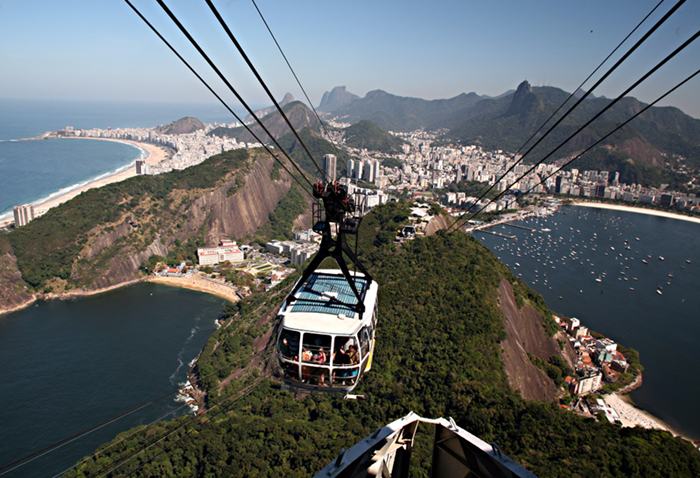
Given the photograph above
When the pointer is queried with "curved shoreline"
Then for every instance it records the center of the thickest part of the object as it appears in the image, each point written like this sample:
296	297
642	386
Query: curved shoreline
150	153
196	284
637	210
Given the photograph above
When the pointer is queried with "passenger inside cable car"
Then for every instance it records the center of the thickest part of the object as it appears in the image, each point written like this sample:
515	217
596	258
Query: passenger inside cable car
326	334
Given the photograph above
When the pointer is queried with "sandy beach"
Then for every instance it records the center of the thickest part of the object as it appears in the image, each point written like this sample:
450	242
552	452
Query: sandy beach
199	283
631	416
152	155
638	210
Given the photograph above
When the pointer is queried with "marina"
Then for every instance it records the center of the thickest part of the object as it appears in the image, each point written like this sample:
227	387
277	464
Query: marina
597	265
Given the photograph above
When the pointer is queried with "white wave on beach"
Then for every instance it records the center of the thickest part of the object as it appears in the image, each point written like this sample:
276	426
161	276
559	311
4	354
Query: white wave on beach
180	363
4	215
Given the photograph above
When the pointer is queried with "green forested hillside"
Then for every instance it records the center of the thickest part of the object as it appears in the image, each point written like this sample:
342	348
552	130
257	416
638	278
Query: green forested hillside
46	248
367	135
437	354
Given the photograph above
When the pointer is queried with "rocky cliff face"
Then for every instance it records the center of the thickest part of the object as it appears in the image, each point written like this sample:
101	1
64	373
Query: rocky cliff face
230	196
526	337
13	291
234	209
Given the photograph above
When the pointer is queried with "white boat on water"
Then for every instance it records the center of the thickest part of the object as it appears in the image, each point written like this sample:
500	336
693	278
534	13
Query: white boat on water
659	291
644	261
661	258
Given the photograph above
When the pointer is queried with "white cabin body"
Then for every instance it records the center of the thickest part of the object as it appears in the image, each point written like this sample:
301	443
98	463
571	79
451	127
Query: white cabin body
323	341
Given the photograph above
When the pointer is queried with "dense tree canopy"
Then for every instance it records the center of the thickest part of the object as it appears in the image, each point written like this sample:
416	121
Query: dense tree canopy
437	354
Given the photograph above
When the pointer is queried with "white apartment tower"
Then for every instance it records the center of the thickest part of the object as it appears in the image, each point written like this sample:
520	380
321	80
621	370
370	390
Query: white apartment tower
368	172
24	213
376	172
350	168
357	173
329	166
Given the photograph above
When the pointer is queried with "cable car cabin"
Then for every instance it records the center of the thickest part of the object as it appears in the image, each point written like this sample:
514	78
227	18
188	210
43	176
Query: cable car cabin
324	342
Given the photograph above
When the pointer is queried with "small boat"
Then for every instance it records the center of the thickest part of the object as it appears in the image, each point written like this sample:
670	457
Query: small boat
687	261
661	258
598	279
632	289
659	291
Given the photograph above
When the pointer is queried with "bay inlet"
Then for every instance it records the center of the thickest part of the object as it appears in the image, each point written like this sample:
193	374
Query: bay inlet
71	365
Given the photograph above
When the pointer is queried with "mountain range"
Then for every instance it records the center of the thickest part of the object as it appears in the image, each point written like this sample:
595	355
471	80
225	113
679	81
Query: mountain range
299	115
645	151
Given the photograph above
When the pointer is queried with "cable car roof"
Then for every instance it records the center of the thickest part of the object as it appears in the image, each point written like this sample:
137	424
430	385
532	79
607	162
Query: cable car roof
325	303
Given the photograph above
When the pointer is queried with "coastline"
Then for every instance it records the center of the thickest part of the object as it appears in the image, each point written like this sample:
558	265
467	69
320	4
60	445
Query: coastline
191	282
197	283
150	153
637	210
633	416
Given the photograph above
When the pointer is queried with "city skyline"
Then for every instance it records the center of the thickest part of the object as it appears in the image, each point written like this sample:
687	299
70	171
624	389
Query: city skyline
80	51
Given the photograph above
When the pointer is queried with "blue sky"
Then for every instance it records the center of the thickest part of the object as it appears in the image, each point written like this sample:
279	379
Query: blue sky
98	50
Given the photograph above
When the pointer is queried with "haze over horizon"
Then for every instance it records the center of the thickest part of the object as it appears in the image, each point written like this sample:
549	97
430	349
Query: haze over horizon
74	50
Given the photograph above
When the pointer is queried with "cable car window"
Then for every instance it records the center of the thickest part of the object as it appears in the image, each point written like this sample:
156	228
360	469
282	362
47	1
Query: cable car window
315	348
289	344
364	341
341	346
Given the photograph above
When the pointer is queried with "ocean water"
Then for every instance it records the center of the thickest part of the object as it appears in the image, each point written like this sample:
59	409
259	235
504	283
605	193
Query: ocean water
29	118
585	244
33	170
69	366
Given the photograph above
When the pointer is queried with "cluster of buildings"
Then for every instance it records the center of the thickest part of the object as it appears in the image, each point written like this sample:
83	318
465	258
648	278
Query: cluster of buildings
226	251
187	149
302	248
365	169
607	185
425	164
598	360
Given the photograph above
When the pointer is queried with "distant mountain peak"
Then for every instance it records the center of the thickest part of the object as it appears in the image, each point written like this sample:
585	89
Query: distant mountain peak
338	97
288	98
262	112
524	87
185	125
523	99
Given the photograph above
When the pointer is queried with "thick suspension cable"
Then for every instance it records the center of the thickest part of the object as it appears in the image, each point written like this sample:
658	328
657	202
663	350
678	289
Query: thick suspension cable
221	100
613	131
303	90
25	460
580	86
590	90
245	56
228	84
241	394
680	48
68	440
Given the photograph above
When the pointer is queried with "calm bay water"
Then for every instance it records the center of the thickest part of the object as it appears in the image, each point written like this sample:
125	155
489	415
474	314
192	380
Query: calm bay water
585	244
68	366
